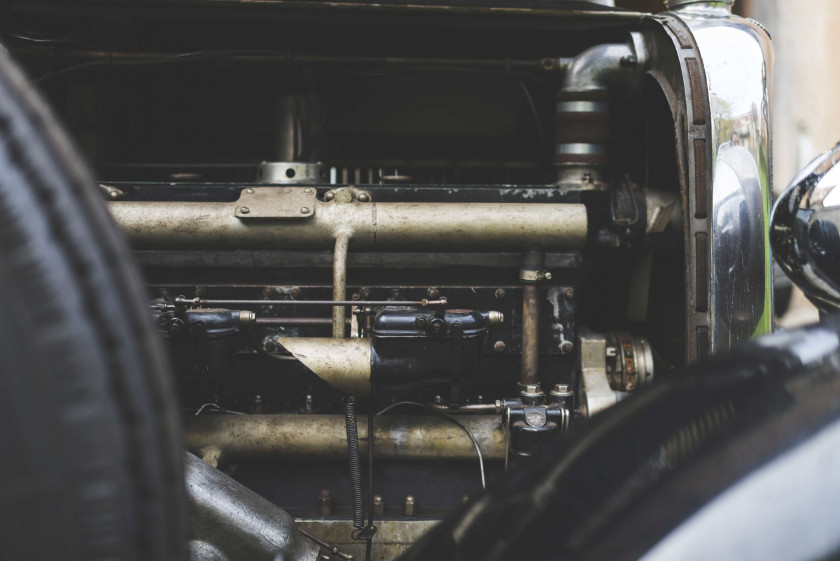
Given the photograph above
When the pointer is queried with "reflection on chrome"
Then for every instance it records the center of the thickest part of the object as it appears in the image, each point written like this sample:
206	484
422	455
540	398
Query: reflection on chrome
805	234
737	59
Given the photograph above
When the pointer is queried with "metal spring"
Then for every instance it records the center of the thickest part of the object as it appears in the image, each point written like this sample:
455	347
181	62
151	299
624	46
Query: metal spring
355	462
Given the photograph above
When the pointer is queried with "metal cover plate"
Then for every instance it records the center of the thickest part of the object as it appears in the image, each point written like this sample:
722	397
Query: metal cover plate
276	202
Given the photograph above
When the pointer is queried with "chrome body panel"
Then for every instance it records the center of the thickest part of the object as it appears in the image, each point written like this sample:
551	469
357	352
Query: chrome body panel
737	58
804	230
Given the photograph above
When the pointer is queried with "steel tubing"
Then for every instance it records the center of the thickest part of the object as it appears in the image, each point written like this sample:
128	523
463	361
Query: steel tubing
403	437
426	226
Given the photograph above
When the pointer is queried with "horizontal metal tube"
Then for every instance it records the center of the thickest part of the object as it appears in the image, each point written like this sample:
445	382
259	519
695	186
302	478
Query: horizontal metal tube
491	226
403	437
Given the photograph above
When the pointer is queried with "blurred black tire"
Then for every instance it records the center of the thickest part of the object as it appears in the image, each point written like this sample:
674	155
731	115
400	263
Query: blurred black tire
90	452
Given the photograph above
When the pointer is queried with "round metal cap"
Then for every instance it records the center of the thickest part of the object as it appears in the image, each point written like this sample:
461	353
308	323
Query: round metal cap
676	4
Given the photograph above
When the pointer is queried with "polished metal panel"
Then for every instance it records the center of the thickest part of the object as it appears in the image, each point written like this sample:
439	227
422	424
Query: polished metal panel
737	59
804	230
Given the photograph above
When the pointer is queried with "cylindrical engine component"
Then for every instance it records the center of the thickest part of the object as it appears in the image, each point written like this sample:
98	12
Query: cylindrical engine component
289	173
414	347
530	334
583	129
629	361
203	342
530	273
238	523
313	437
428	226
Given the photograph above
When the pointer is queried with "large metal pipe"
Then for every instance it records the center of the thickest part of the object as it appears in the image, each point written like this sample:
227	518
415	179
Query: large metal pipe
229	521
428	226
397	437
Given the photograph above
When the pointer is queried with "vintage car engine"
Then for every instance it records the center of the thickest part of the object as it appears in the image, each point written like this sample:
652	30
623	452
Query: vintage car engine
458	233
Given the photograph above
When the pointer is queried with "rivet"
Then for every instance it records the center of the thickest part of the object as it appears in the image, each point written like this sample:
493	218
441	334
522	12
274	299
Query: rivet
307	190
244	210
249	191
304	210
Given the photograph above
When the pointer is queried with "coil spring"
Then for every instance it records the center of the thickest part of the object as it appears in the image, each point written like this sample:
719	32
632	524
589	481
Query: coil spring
355	462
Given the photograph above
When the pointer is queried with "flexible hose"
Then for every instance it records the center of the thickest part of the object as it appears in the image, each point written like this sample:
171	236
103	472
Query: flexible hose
355	463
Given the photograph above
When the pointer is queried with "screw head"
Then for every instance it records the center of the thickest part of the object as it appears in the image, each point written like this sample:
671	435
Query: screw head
244	210
500	293
304	210
566	347
499	346
547	275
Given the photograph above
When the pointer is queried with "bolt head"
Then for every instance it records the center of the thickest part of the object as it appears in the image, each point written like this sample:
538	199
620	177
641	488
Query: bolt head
244	210
567	347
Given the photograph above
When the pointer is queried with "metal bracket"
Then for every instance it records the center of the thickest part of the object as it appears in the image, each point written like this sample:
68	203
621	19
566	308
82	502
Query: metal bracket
276	202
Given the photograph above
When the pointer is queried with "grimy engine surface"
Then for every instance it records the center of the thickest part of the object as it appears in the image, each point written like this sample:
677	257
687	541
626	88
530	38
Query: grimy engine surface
463	232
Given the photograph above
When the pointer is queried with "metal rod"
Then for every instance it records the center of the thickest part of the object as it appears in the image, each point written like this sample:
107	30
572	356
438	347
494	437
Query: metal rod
396	437
128	58
530	273
530	334
342	244
296	322
198	302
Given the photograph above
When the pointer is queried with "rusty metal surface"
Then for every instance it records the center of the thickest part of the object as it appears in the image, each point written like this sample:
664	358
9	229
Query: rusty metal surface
289	436
530	334
392	536
275	203
450	226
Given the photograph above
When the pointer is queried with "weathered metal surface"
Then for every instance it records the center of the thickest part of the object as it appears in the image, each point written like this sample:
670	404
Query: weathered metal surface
213	225
530	334
271	203
392	536
403	437
229	521
342	363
